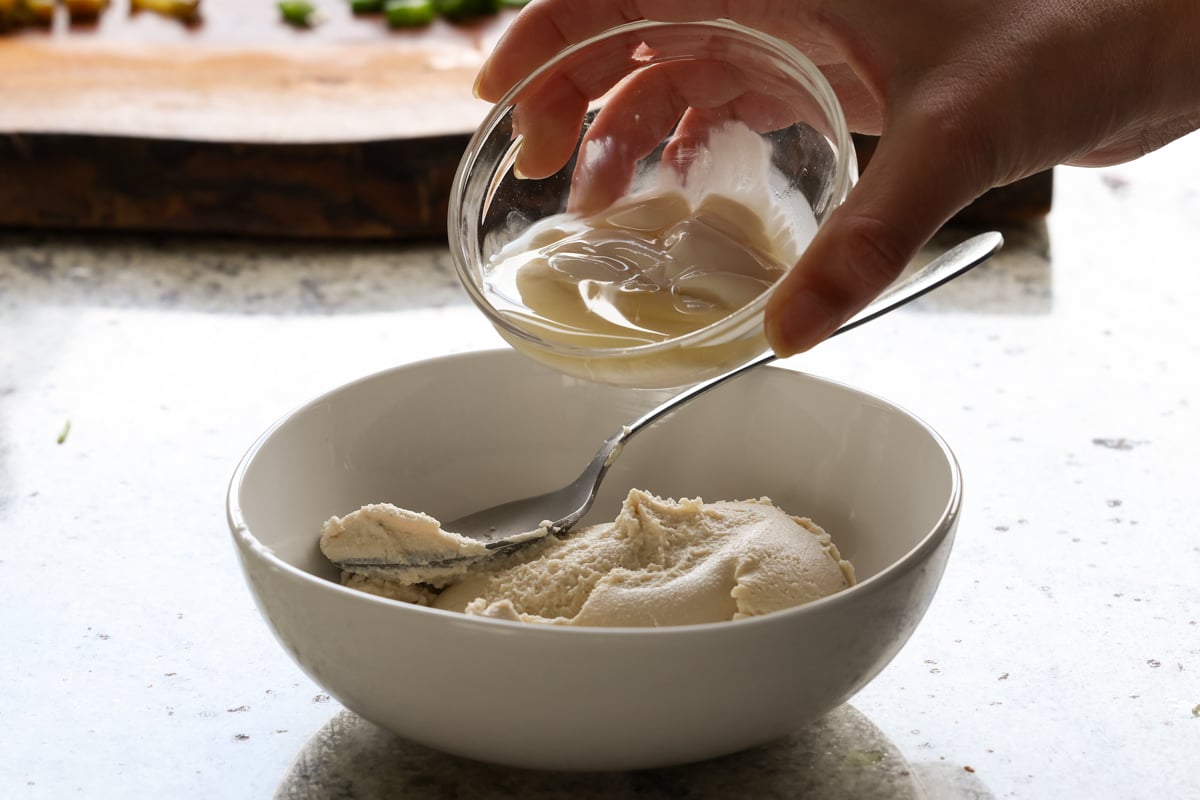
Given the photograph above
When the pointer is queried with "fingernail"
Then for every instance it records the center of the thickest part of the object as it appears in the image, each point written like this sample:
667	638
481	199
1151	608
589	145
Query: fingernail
478	81
515	120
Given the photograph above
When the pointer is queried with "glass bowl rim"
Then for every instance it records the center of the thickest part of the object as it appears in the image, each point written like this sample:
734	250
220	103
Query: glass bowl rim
844	178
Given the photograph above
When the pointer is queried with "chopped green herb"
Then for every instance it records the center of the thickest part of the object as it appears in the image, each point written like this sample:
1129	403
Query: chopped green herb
513	3
62	435
297	12
366	6
409	13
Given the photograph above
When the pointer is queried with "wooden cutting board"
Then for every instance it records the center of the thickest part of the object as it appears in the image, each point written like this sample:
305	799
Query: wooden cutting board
240	124
237	123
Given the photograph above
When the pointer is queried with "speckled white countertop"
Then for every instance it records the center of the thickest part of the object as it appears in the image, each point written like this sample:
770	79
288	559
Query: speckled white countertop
1061	658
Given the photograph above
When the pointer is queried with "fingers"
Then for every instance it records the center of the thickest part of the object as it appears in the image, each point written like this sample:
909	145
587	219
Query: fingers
646	109
545	27
550	123
629	127
910	190
539	31
643	111
550	110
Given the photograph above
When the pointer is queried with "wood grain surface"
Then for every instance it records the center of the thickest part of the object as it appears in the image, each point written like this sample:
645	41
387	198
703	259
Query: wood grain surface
241	75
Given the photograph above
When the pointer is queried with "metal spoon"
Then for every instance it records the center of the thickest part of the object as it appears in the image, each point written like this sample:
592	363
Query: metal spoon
510	525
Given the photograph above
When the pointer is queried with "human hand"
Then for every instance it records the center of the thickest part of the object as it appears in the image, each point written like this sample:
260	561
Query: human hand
966	94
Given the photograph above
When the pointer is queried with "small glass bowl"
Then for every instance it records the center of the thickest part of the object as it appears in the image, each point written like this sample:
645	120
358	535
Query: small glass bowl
777	94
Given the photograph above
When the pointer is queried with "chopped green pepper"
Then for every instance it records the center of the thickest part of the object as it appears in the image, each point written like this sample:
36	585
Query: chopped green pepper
409	13
297	12
366	6
464	9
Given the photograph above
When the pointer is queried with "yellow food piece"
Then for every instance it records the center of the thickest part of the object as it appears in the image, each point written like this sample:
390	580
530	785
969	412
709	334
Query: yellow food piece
41	12
85	9
181	9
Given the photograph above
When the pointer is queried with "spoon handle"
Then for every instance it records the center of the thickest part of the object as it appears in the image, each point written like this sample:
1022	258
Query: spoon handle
948	265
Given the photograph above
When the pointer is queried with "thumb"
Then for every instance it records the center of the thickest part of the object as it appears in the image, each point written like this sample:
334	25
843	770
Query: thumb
908	191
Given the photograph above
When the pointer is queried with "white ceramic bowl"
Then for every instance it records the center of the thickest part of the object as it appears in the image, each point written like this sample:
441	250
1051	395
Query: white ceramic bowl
454	434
